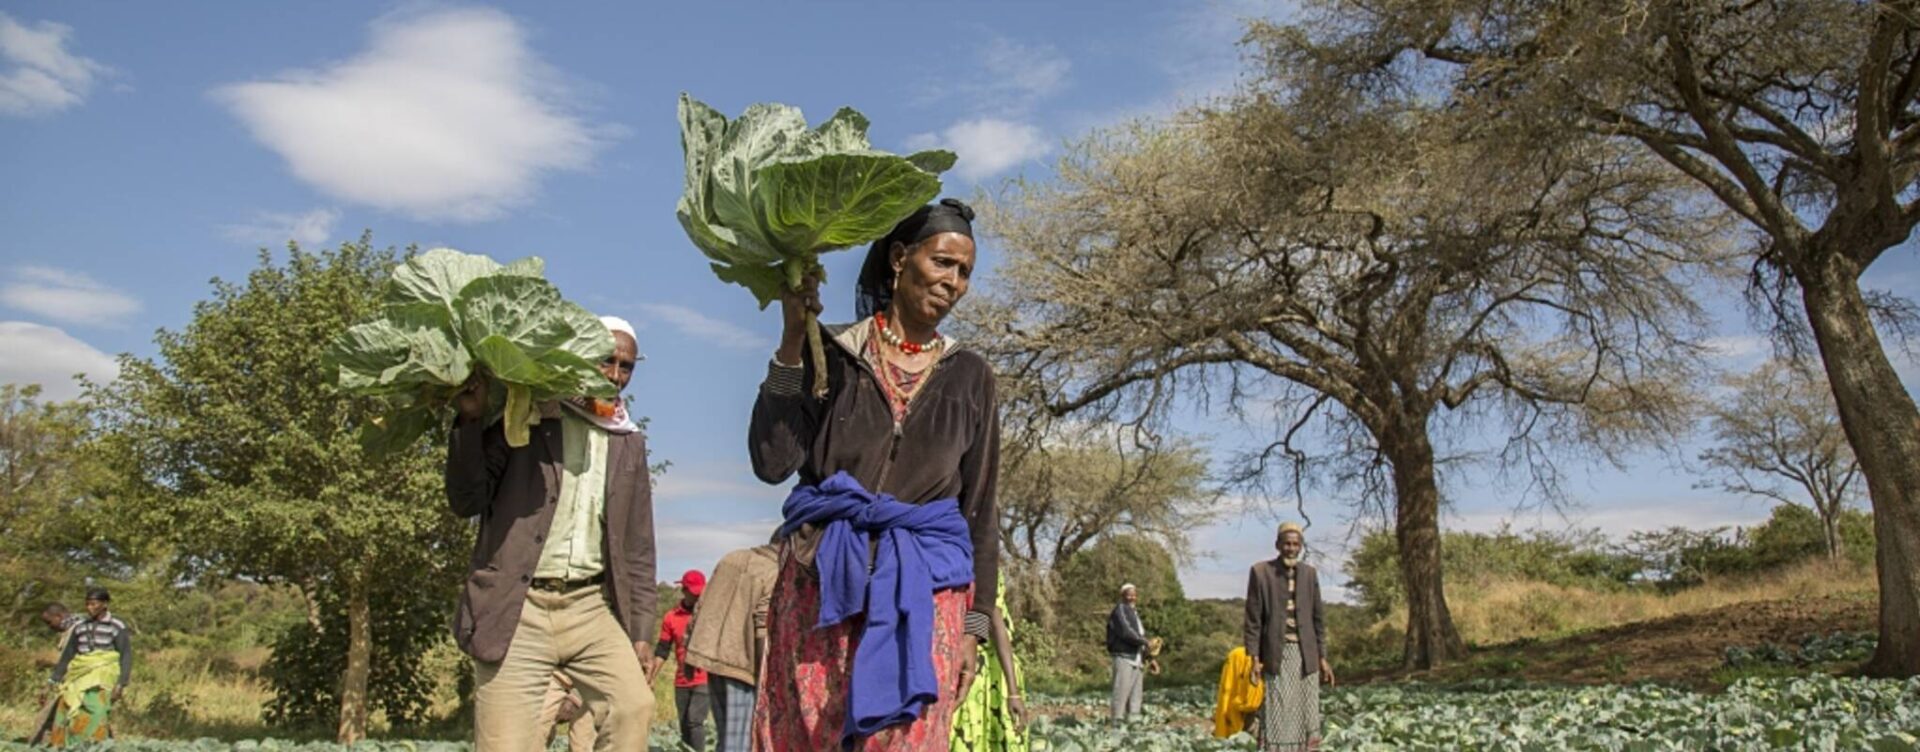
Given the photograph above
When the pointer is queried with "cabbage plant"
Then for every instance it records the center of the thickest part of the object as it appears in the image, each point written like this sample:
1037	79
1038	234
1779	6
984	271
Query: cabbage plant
766	195
447	314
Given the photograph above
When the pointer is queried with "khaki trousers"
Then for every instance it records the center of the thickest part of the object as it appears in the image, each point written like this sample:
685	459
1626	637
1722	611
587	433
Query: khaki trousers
563	705
573	632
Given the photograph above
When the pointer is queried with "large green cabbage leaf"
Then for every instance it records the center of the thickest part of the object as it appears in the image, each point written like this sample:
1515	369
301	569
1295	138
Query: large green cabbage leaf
766	195
447	313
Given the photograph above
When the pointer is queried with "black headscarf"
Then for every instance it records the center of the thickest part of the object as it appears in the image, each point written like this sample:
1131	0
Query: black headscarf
875	289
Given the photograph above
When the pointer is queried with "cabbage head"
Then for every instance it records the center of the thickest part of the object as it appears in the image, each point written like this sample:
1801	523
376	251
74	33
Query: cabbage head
766	195
448	314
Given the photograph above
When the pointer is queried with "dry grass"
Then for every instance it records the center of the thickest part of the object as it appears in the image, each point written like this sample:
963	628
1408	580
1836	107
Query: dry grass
174	693
1494	612
179	693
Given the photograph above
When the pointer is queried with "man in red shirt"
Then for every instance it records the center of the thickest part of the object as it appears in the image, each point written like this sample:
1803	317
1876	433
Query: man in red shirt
690	696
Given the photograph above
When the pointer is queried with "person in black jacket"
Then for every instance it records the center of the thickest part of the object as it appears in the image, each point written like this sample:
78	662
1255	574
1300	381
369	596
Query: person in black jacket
1127	644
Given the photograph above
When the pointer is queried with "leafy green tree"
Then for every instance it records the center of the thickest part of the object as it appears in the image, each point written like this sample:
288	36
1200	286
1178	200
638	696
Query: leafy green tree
1793	533
49	520
236	450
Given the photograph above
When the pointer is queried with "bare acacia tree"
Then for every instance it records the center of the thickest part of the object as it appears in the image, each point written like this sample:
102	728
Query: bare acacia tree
1799	117
1081	482
1777	436
1375	276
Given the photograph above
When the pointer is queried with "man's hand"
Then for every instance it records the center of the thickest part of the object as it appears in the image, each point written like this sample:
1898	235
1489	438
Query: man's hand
1253	675
1326	673
117	691
471	400
644	651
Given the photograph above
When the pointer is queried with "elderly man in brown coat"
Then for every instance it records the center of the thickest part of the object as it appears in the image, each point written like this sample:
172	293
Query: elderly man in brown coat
1284	634
563	569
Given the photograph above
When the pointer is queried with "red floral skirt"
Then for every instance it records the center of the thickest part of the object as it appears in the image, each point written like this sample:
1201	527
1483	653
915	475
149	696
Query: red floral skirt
802	702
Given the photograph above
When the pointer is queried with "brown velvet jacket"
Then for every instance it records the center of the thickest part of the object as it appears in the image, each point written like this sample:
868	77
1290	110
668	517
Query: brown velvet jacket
1265	627
514	493
948	446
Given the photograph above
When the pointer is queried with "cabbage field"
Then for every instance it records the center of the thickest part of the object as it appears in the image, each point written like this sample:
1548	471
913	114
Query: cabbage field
1801	713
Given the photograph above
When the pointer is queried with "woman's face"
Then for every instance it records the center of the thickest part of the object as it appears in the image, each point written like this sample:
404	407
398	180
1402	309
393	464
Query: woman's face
932	276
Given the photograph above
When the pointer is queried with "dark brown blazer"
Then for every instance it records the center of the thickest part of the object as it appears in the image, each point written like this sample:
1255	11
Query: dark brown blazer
514	492
1264	631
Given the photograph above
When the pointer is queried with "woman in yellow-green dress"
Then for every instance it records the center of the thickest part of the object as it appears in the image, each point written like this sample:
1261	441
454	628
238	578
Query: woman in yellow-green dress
992	717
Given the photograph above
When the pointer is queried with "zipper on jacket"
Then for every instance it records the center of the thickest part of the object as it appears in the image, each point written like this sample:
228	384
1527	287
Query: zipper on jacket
899	426
893	451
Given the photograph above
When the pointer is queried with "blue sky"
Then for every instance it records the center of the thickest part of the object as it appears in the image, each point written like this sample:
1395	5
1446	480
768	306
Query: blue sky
151	147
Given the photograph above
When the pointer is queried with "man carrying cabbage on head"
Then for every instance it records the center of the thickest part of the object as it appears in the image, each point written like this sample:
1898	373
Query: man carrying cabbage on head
563	568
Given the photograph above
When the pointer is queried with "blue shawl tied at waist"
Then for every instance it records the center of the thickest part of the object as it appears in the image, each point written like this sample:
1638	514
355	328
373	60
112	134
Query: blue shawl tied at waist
922	548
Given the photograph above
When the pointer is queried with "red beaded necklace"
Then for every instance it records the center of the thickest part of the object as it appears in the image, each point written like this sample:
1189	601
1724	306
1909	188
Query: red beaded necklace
900	343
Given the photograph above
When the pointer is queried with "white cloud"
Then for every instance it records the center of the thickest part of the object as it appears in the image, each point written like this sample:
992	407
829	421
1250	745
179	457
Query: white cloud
701	326
987	146
1197	52
1201	51
44	355
1012	79
699	543
66	297
1618	520
1016	76
1740	347
678	485
1243	534
40	76
446	115
274	228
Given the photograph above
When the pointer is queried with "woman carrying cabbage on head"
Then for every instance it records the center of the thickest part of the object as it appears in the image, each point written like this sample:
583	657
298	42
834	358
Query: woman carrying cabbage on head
891	557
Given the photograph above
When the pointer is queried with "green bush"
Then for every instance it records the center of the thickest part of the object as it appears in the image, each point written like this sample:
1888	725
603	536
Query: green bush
1793	533
306	665
1571	560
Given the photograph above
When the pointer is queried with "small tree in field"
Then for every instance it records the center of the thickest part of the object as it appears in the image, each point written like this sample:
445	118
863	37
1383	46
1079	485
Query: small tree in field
238	452
1778	437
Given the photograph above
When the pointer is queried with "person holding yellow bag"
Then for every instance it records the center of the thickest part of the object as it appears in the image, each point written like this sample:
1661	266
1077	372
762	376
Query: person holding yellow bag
1237	701
992	717
1284	634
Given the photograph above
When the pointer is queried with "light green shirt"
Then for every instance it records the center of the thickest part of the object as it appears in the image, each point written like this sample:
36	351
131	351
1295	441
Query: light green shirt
573	550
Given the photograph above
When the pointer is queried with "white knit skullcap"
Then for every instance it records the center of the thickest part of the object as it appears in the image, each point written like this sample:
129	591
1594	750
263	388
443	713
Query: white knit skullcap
617	324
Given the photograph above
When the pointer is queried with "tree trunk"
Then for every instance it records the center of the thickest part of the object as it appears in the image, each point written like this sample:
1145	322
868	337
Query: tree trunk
1883	427
1431	637
353	684
1830	519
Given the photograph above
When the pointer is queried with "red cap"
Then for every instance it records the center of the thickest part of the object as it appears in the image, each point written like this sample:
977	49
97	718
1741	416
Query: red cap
693	581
